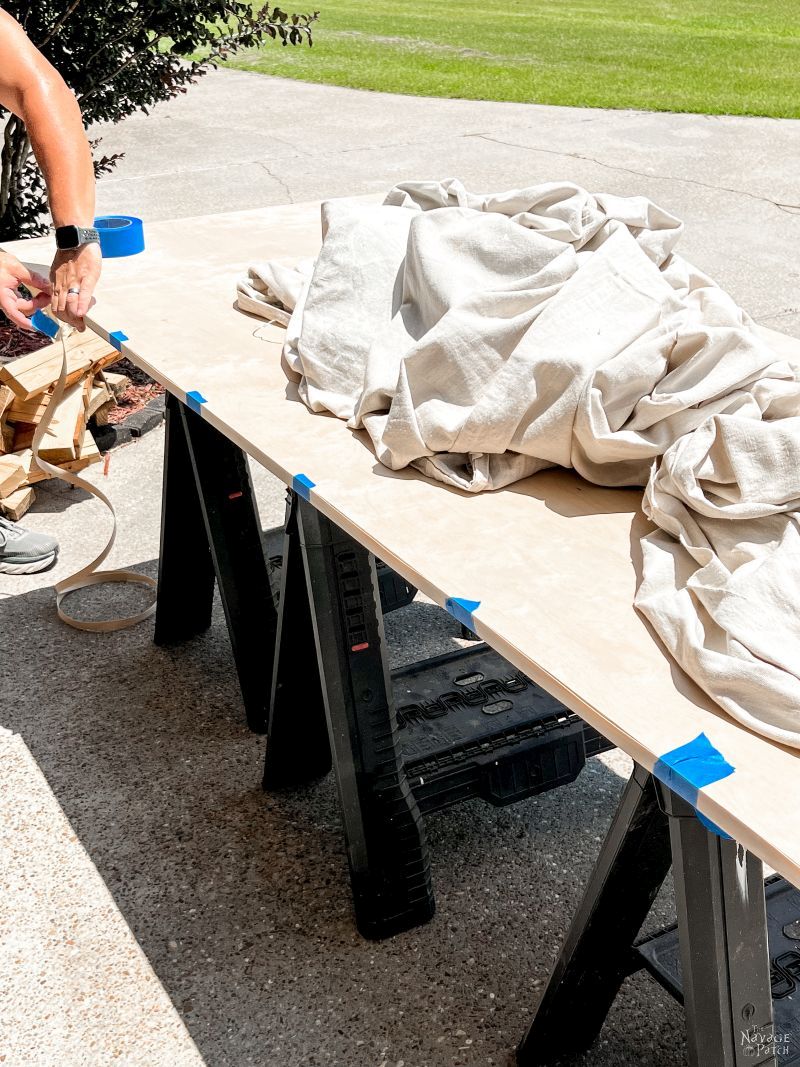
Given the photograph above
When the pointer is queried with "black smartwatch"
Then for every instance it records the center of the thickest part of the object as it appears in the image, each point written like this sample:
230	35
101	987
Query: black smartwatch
74	236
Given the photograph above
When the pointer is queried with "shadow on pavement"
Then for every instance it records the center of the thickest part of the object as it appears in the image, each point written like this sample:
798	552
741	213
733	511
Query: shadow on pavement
241	901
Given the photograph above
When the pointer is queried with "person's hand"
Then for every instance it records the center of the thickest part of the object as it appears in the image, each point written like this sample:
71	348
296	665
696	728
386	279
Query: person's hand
17	307
78	269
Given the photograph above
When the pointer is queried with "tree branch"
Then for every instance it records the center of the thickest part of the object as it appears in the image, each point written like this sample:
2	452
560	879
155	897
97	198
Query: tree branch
70	10
110	42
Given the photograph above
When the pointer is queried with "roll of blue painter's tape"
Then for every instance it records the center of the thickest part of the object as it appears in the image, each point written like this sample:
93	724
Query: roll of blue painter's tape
120	235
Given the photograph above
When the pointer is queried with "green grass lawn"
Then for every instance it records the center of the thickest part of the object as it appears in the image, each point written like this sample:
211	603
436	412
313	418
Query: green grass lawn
739	57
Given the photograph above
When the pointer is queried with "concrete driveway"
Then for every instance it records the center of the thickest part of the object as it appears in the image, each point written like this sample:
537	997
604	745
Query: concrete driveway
135	785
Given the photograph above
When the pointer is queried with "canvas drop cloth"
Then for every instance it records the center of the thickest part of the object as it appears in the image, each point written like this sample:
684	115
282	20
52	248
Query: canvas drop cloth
482	338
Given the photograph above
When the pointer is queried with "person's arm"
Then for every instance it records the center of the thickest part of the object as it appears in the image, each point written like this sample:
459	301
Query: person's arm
34	91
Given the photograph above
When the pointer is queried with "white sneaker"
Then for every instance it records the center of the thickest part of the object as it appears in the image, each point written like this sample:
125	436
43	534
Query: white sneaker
23	551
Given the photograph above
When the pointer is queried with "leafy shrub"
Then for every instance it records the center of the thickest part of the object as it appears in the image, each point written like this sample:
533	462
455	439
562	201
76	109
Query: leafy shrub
122	56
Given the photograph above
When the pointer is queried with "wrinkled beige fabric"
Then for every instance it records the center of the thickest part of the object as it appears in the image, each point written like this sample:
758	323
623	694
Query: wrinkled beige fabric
483	338
721	582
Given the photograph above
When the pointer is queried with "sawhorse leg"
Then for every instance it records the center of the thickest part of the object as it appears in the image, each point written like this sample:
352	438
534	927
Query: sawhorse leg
210	528
342	633
722	922
724	954
185	566
298	748
631	867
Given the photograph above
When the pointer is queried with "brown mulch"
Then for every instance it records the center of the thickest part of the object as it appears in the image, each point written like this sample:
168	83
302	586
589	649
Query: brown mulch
140	392
16	342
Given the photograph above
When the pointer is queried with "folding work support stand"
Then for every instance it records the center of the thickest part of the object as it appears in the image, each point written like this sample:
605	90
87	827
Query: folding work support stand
719	893
332	693
210	528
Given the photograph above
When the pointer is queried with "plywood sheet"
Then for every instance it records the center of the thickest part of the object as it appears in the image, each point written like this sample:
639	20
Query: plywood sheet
553	561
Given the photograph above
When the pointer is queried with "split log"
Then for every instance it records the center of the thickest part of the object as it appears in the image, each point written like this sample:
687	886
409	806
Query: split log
101	415
99	396
89	453
33	473
23	435
62	440
30	411
13	474
6	437
117	383
17	503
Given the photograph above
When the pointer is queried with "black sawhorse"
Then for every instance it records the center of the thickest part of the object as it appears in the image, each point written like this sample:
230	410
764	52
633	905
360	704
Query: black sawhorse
327	688
332	697
719	894
314	675
210	529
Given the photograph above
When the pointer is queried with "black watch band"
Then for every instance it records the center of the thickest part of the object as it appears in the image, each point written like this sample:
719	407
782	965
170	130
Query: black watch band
74	236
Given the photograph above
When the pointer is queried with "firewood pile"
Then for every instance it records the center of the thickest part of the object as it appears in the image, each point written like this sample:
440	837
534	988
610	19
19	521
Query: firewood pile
26	390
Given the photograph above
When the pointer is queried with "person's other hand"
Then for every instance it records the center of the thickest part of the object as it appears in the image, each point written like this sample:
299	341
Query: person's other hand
77	268
17	307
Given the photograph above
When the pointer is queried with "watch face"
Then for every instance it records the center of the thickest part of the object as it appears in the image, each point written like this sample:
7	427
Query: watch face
75	236
68	237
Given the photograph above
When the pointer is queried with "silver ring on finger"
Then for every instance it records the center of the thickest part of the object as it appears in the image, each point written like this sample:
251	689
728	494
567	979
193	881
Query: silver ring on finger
73	291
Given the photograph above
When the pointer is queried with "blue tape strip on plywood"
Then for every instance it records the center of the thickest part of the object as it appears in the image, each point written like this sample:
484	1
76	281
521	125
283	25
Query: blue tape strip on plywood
462	610
302	485
195	400
687	769
116	338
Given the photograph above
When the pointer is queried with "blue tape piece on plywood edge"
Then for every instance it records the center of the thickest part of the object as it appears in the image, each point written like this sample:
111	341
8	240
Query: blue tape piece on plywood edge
195	400
302	485
462	610
712	826
116	338
687	769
